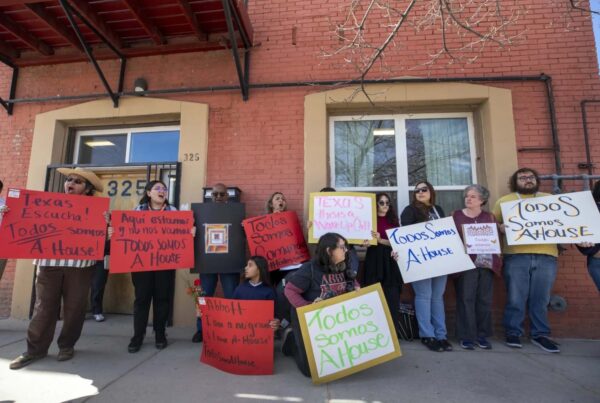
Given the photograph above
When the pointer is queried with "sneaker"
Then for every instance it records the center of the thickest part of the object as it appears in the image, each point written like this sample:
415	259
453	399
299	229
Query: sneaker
432	344
65	354
545	344
197	337
484	344
467	344
23	360
513	341
289	343
99	317
445	344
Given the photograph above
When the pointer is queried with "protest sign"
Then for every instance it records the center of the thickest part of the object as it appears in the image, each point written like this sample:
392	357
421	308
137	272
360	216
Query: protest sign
53	226
481	238
151	240
237	337
429	249
565	218
350	214
220	246
348	334
277	237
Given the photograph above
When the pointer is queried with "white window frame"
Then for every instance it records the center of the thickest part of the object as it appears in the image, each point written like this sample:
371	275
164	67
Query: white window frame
402	188
128	131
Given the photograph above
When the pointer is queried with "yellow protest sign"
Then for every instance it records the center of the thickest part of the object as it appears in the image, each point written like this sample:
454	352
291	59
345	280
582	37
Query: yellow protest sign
348	334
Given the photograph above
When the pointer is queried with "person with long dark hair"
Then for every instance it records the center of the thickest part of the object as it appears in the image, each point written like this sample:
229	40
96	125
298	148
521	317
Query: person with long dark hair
429	293
152	287
592	251
380	266
326	276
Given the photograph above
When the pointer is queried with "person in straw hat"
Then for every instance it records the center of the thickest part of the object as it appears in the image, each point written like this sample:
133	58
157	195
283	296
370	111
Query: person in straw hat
60	279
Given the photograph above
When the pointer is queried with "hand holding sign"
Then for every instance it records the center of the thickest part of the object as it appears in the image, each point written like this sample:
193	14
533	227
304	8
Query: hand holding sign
565	218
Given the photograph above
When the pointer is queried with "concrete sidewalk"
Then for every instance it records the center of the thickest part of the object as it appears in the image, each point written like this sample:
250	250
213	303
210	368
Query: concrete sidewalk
103	371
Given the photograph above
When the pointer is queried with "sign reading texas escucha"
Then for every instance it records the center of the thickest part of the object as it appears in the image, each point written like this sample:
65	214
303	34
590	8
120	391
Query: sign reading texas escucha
429	249
348	333
350	214
50	225
563	218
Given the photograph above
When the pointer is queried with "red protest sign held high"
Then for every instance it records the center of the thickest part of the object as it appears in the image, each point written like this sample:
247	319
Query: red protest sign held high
278	238
237	336
45	225
151	240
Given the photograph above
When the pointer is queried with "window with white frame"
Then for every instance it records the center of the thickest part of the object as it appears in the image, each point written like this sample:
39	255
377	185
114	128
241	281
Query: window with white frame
125	145
393	153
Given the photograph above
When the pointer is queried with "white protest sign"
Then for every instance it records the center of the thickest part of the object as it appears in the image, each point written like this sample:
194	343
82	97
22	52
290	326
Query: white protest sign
350	214
565	218
348	333
429	249
481	238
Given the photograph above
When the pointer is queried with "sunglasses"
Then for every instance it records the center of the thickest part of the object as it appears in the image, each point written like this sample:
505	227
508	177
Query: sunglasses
219	194
77	181
421	190
383	203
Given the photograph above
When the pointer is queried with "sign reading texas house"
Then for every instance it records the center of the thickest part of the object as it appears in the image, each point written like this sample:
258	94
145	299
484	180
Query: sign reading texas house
429	249
348	333
565	218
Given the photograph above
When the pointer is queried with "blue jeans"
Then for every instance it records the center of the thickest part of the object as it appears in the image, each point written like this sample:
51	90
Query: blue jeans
529	279
229	282
594	270
429	307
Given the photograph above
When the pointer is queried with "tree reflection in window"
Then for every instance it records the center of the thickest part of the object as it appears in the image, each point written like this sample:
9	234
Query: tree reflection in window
363	159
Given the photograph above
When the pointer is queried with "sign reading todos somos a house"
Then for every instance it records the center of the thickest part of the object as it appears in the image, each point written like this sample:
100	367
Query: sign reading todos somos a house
53	226
348	334
565	218
429	249
350	214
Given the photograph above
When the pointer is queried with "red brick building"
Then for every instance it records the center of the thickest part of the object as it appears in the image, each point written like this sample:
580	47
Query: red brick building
517	105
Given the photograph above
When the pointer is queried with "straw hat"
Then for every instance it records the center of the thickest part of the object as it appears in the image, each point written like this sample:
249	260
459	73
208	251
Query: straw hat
84	173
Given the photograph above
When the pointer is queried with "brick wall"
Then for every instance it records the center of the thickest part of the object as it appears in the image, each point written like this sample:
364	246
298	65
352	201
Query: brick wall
258	145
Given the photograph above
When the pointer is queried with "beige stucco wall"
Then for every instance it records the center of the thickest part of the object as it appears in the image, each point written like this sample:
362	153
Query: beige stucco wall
492	108
50	133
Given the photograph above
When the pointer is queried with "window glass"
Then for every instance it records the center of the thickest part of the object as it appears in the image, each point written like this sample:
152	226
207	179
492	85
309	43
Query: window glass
154	146
433	147
102	149
365	153
438	151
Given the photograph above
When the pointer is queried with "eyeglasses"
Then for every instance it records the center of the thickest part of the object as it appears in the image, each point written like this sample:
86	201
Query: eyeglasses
77	181
343	247
383	203
160	189
526	178
219	194
421	190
